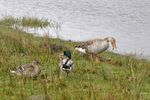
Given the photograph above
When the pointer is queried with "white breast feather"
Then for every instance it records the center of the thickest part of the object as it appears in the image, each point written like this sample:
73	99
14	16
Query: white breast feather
80	50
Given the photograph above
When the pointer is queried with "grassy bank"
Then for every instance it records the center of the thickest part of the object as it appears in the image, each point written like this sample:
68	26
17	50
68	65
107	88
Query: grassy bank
122	78
25	22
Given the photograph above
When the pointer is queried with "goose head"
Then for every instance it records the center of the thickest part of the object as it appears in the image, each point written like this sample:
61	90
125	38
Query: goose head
112	41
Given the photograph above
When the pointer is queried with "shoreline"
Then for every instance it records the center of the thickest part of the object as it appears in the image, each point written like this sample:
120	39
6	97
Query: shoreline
120	77
52	30
40	32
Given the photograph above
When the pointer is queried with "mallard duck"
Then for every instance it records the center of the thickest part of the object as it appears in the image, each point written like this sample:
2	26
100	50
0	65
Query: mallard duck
93	47
66	64
28	70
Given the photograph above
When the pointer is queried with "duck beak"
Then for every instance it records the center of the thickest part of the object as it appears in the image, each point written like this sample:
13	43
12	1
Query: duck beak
113	45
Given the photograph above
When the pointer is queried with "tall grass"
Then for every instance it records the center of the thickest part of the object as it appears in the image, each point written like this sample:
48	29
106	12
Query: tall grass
122	78
25	22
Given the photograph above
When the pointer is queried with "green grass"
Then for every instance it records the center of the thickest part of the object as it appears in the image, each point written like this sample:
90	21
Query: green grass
25	22
122	78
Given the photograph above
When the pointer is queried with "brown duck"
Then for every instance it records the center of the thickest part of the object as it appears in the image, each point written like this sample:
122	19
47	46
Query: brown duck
28	70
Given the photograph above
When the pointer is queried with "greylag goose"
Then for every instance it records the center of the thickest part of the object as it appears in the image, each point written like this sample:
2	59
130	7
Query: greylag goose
28	70
93	47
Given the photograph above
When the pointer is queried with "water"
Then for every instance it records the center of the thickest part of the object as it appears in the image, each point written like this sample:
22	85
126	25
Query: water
126	20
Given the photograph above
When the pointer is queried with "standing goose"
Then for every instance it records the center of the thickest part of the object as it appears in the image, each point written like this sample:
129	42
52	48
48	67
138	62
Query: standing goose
28	70
93	47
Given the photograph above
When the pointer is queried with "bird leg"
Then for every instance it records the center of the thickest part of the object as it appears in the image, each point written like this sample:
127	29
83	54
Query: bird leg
97	58
94	57
67	74
90	56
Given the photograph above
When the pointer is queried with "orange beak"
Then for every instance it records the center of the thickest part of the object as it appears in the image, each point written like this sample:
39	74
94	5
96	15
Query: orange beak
113	45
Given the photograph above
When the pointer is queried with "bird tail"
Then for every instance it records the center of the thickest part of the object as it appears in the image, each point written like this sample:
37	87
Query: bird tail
12	72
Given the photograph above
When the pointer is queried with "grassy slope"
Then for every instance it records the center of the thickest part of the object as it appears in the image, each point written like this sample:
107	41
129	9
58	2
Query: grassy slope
124	77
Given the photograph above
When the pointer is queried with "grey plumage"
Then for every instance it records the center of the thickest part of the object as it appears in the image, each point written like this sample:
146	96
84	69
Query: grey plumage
97	45
93	47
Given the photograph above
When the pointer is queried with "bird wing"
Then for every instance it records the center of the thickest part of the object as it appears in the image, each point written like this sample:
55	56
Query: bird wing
27	67
84	45
20	69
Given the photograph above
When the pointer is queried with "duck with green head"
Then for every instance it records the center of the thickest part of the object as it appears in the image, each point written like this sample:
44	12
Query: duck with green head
66	63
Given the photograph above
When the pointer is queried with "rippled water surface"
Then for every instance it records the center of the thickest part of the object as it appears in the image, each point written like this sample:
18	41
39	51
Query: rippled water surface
126	20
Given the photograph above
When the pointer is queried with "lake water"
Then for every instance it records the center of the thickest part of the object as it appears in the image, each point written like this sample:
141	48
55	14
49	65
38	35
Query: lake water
126	20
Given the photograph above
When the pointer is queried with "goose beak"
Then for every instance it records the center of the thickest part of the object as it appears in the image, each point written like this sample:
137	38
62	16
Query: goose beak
113	45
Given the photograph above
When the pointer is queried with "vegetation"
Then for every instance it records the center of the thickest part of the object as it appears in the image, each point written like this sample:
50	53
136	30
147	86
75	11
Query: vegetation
122	78
25	22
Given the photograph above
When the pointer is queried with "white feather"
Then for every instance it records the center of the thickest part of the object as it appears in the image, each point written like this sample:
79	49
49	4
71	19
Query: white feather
80	50
12	71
